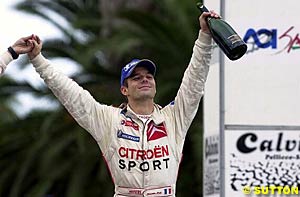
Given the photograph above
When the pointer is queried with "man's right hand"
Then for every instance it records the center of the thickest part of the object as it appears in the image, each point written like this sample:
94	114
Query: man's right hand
203	22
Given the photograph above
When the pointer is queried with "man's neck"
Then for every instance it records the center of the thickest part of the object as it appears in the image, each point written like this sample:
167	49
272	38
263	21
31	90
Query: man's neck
142	108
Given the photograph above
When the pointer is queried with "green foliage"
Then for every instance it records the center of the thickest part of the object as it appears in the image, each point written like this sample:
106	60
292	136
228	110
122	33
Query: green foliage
46	152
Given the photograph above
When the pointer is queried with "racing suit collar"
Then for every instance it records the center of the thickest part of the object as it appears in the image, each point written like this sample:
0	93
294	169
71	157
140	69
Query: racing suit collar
156	116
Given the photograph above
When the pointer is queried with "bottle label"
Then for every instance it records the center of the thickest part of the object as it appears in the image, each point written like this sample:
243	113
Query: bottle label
234	38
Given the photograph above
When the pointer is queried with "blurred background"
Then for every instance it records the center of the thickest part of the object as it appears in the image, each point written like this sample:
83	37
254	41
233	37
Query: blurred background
43	152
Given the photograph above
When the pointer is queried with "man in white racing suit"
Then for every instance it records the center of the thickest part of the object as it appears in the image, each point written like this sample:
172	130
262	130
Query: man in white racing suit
141	143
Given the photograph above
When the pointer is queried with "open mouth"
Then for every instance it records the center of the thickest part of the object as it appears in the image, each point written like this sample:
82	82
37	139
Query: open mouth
145	87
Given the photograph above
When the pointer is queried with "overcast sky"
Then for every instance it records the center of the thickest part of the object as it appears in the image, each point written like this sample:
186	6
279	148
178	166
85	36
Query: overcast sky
14	25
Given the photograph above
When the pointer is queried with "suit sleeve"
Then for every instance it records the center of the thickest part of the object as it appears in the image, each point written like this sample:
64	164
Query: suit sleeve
186	103
89	114
5	59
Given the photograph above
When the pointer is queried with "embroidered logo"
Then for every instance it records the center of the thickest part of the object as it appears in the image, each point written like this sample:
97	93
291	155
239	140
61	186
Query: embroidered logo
129	123
126	136
155	132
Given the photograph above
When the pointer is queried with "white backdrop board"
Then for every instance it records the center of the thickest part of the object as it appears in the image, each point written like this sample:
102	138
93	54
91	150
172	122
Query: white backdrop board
263	87
258	93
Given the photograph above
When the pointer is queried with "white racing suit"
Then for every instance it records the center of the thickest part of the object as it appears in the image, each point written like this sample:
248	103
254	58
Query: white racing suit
143	159
5	59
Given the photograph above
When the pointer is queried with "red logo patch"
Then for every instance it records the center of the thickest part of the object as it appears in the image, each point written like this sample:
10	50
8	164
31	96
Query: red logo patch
128	123
155	132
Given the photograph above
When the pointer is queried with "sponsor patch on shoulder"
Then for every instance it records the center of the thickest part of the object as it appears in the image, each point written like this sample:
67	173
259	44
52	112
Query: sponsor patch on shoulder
126	136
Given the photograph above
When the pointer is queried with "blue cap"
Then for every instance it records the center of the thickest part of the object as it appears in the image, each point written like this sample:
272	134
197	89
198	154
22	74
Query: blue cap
128	69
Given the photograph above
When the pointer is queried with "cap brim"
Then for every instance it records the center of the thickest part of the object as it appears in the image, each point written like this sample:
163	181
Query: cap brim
148	64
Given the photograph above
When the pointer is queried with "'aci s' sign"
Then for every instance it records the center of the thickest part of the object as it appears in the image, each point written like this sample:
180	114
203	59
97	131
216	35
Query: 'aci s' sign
269	38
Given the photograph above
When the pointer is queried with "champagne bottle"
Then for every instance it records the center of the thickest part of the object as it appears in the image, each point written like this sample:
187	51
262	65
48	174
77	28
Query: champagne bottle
225	36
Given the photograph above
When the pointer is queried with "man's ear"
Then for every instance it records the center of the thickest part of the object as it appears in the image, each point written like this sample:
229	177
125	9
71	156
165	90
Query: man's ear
124	90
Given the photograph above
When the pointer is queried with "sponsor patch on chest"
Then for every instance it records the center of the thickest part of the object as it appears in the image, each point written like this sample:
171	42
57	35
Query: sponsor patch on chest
126	136
155	132
129	123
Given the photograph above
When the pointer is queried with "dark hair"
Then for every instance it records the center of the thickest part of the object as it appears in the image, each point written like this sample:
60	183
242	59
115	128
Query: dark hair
125	83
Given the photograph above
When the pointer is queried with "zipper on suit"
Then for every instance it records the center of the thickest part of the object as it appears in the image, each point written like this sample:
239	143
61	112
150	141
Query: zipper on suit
144	142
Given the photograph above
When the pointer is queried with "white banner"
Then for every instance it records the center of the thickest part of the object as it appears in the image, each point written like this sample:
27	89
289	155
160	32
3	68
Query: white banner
262	159
263	87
